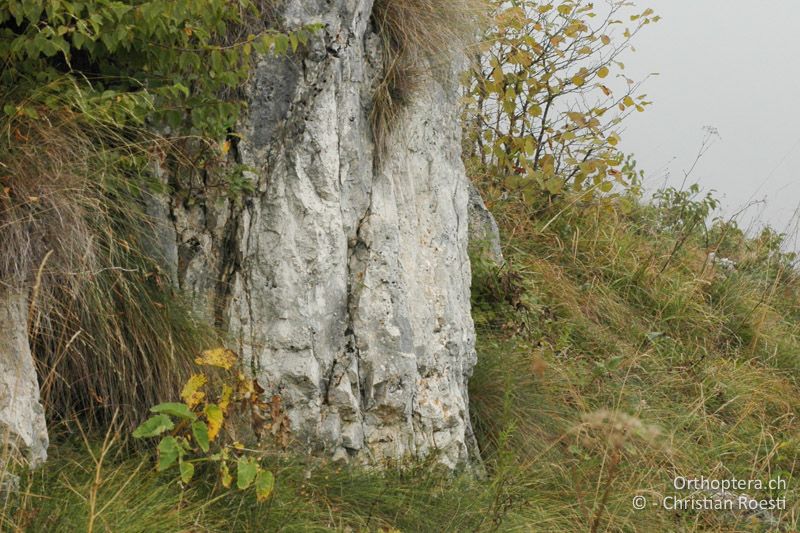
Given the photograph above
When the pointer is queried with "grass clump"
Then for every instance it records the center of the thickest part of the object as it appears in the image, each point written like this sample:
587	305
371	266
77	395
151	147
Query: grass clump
418	37
105	326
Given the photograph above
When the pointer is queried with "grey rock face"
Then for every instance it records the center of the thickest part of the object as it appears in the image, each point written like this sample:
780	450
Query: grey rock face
344	282
484	235
23	432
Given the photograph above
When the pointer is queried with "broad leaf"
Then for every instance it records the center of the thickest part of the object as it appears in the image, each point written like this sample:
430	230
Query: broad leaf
179	410
187	471
246	470
215	418
265	482
220	357
168	453
200	432
153	426
191	392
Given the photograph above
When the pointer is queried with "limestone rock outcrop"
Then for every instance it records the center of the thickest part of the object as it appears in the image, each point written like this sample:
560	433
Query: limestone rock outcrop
23	432
344	280
484	234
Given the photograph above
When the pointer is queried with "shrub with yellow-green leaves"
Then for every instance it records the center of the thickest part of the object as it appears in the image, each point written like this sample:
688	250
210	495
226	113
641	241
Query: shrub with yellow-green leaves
547	94
190	432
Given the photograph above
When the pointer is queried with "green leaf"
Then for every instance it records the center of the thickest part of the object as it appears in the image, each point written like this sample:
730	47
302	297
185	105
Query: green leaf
281	44
187	472
78	40
246	470
168	453
155	425
182	88
265	482
200	432
174	409
216	61
32	10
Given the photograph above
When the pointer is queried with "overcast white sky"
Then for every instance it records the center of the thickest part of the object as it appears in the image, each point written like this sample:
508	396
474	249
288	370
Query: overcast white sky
733	65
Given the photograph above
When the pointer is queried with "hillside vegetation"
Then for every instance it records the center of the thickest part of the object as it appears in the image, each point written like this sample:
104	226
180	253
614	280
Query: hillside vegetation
614	355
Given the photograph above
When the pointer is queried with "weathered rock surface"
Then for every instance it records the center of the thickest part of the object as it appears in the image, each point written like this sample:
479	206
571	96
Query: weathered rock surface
23	432
484	234
343	281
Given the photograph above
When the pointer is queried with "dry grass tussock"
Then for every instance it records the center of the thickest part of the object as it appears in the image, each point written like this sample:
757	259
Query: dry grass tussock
45	198
419	37
104	327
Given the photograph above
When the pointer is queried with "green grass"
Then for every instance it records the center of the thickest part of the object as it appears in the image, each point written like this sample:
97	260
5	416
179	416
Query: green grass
608	365
131	496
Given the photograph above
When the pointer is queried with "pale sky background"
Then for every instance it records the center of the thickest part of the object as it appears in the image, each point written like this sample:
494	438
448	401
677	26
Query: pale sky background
733	65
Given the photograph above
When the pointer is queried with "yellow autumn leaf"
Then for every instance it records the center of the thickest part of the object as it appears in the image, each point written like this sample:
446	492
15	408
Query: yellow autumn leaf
530	146
191	393
578	80
613	139
226	147
602	72
215	418
221	357
628	101
577	118
225	397
565	9
225	475
605	39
